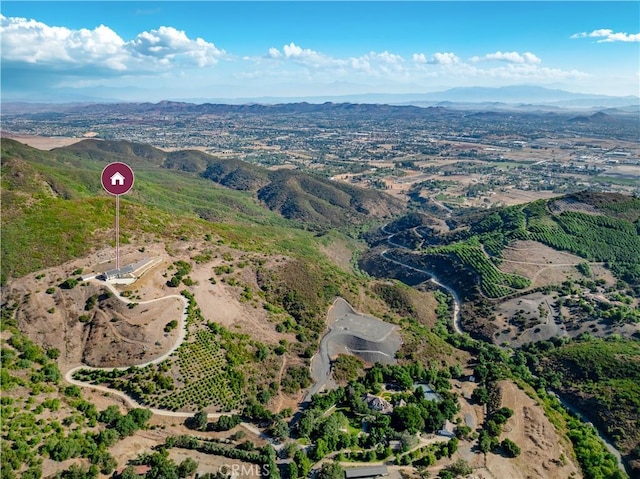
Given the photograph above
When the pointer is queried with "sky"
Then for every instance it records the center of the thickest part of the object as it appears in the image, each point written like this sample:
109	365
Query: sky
152	51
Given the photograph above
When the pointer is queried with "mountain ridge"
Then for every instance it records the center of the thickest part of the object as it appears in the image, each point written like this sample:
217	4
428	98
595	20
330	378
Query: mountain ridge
510	95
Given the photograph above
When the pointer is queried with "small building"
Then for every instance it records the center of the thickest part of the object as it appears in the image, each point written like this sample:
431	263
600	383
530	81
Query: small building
378	403
116	273
366	472
448	429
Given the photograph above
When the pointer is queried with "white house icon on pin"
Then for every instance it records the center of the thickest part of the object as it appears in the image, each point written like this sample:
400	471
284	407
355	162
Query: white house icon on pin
117	179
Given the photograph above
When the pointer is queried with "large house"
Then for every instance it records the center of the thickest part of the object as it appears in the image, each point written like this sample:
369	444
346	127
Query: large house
378	403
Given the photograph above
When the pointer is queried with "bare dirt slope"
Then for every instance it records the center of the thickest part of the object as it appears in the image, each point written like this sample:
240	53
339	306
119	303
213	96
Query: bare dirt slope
89	323
95	324
544	454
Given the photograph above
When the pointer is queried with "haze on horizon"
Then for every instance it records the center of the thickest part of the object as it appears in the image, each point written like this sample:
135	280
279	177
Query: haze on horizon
152	51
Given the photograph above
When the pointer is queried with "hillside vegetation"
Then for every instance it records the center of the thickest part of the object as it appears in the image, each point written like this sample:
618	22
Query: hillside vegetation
599	227
53	205
601	376
314	201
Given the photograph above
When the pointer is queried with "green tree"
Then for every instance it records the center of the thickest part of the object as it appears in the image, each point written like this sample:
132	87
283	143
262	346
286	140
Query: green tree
409	418
303	463
480	395
109	415
140	416
321	449
129	473
280	430
510	448
460	468
331	470
485	442
293	470
199	421
187	467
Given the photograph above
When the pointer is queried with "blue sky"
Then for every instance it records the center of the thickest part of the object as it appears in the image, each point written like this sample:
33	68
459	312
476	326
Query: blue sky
187	50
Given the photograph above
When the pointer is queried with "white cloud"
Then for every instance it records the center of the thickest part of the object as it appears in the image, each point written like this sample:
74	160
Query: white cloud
606	36
387	66
419	58
274	53
302	56
447	58
59	56
371	63
166	44
509	57
35	43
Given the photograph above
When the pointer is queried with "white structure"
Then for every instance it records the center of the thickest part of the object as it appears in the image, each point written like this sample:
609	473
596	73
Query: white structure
117	179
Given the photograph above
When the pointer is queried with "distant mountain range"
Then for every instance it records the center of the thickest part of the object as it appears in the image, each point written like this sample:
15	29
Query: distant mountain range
519	97
505	97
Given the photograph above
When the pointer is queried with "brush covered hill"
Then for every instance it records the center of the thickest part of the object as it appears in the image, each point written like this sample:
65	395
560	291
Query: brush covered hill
601	378
54	206
295	195
533	271
556	280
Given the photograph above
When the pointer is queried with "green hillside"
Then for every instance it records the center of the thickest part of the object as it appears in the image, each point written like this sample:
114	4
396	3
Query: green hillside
54	208
599	227
314	201
602	377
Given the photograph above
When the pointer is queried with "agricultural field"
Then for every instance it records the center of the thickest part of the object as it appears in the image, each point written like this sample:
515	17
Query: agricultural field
493	282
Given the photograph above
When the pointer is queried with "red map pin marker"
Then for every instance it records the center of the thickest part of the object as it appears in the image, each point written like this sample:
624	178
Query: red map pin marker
117	178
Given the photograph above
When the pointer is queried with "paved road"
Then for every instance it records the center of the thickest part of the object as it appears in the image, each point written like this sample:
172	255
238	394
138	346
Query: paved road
457	327
457	303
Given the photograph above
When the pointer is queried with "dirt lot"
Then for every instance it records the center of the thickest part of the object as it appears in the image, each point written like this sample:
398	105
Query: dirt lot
113	333
540	263
543	456
107	332
42	142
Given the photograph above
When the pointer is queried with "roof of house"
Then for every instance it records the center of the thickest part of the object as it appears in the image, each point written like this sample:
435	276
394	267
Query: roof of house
367	471
378	403
117	272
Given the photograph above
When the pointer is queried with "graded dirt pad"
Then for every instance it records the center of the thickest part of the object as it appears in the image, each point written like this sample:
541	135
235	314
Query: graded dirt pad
367	337
540	263
544	455
352	333
528	318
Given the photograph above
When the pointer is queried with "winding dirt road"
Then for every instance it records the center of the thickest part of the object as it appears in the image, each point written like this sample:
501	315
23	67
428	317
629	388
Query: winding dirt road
182	333
457	302
457	327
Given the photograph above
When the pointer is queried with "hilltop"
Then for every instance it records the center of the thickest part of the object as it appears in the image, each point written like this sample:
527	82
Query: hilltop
53	201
